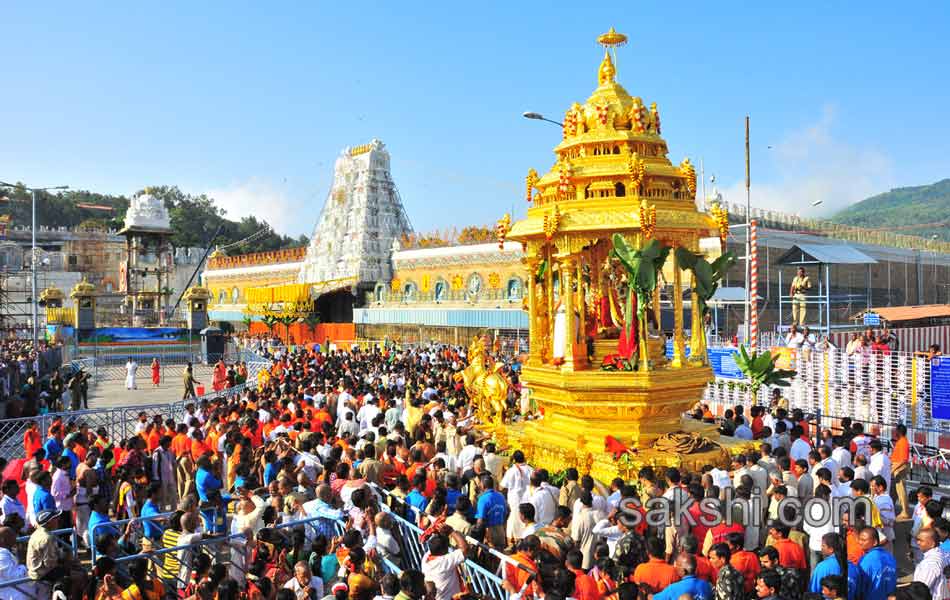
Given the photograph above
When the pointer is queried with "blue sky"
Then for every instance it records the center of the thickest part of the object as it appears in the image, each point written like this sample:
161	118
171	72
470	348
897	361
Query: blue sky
253	103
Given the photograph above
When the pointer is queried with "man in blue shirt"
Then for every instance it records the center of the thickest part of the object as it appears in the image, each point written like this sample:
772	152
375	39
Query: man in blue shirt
833	549
42	498
878	567
491	510
415	498
100	516
272	468
698	589
70	453
150	508
54	444
209	493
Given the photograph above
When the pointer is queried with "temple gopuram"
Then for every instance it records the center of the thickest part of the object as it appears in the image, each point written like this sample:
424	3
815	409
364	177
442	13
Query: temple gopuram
597	368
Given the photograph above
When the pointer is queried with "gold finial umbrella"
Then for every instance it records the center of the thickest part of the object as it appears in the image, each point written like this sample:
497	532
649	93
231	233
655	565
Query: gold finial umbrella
611	38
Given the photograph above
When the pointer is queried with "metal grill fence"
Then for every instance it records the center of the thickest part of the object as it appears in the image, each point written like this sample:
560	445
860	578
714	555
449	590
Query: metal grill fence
879	391
119	422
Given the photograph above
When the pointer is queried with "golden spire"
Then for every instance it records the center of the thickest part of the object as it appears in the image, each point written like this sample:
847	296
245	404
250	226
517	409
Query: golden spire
607	71
608	40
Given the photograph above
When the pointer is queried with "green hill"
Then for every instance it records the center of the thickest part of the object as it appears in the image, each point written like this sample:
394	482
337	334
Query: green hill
900	208
194	218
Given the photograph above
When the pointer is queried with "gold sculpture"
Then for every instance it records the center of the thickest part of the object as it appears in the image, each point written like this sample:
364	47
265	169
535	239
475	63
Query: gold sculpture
611	176
530	181
689	174
486	387
502	227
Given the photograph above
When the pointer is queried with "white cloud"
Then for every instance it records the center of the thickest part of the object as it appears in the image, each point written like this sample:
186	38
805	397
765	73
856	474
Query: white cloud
261	199
812	164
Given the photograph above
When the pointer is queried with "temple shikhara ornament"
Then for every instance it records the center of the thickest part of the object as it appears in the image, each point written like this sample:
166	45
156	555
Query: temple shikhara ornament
599	238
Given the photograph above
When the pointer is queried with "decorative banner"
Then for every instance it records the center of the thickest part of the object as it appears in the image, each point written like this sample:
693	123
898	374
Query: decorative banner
494	281
425	284
457	282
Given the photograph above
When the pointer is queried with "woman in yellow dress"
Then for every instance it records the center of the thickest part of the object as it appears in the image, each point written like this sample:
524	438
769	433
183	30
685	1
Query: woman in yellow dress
144	586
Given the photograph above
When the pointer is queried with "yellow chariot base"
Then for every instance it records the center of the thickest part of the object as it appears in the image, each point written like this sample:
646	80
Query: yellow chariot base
582	408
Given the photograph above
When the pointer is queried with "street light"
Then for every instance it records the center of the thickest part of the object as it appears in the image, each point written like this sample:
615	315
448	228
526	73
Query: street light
539	117
36	306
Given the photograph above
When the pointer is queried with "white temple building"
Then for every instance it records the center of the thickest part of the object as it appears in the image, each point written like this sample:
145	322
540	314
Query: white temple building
361	218
350	251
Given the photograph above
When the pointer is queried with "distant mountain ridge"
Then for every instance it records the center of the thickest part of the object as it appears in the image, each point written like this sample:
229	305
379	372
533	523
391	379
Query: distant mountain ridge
901	208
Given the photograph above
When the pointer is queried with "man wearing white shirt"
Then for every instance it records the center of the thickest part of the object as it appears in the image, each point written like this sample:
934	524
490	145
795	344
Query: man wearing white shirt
468	453
929	570
515	483
598	502
839	453
795	338
543	496
885	506
880	463
800	448
367	412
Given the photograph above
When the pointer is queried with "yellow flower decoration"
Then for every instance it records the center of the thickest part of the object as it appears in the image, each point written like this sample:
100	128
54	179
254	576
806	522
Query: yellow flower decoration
457	282
395	285
425	284
494	281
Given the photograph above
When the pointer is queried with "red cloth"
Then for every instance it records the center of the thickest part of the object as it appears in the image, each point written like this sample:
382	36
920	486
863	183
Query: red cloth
790	554
156	373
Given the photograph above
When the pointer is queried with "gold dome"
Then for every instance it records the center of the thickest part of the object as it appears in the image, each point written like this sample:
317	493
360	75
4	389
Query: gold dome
52	293
612	158
197	293
83	288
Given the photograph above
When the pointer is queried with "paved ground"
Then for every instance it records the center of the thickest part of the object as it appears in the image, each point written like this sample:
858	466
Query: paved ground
112	392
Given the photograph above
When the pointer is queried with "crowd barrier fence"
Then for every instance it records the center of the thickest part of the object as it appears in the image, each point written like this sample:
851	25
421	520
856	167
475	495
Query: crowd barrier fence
119	422
880	391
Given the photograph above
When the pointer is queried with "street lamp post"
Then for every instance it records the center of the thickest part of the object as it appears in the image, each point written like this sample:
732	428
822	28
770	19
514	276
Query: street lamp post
539	117
33	301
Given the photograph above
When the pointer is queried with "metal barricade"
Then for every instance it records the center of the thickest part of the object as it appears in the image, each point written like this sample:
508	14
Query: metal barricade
118	526
878	390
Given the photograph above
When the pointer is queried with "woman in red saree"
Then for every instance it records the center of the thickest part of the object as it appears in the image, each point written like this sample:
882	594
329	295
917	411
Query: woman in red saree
156	372
219	380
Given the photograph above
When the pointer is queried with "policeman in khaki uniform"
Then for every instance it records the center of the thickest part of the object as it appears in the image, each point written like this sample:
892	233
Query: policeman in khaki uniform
800	285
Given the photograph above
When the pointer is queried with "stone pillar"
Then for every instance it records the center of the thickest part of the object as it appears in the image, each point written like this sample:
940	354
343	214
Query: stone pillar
679	351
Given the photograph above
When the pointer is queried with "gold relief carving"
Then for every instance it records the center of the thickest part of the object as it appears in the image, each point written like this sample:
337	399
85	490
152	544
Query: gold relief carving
689	174
552	221
531	181
638	116
655	118
636	169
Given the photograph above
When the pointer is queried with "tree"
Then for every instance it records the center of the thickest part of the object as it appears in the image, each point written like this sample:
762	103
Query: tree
643	267
286	321
706	278
759	367
246	321
311	321
270	321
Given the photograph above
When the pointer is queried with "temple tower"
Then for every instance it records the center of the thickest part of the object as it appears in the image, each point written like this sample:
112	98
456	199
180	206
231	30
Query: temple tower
361	218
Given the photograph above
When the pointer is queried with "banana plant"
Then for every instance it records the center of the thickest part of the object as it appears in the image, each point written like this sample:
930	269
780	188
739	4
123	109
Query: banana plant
706	278
643	267
759	367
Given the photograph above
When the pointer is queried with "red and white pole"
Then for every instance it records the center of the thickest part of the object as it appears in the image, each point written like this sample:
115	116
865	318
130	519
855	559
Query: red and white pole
753	286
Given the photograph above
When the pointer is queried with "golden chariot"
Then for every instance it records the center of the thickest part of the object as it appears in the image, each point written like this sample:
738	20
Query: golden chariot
612	175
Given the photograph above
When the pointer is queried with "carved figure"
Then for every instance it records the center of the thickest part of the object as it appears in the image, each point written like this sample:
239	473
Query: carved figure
486	387
530	182
689	174
638	121
637	170
655	118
